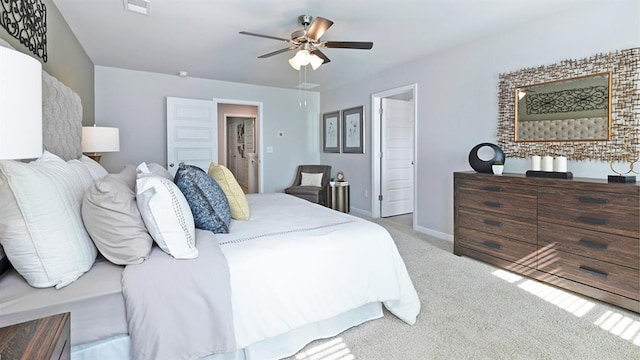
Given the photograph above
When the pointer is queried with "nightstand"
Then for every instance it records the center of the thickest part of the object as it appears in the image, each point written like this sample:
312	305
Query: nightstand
338	194
46	338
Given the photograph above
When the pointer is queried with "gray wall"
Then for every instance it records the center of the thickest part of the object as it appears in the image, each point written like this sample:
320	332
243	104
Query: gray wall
457	99
67	60
134	101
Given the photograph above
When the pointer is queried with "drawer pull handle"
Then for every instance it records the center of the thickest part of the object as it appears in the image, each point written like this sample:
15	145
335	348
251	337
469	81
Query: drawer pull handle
592	220
590	200
593	244
593	272
493	204
491	244
492	188
492	222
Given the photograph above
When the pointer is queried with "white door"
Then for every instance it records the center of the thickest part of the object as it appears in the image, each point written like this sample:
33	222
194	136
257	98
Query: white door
191	133
396	176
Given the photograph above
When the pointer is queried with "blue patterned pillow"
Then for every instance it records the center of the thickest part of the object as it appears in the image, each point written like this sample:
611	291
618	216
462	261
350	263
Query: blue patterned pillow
206	199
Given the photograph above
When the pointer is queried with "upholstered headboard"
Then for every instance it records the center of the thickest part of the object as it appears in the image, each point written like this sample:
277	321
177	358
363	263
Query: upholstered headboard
61	117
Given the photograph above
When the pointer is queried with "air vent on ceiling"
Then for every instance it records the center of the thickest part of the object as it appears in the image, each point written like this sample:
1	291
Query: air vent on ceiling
306	86
138	6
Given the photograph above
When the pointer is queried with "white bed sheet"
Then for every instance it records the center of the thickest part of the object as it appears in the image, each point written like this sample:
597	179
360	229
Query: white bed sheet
308	263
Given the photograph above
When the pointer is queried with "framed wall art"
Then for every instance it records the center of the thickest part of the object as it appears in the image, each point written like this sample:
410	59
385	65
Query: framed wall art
353	130
331	132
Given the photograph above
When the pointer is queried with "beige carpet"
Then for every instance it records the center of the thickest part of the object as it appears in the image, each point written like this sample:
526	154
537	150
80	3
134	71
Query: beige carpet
471	310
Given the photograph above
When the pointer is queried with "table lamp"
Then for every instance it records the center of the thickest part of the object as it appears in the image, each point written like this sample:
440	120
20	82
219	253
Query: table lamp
97	139
20	105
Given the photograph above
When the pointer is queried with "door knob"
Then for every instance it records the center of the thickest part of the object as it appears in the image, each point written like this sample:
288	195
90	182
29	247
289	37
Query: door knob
171	165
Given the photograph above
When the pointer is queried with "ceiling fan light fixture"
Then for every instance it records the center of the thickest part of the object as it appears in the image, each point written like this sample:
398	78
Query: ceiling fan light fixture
303	58
316	61
294	63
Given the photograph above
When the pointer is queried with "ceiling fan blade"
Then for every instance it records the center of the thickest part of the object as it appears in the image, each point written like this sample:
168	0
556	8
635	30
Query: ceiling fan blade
276	52
264	36
318	27
362	45
321	56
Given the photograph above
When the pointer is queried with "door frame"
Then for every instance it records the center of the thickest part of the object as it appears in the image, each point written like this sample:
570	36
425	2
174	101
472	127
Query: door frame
376	132
259	119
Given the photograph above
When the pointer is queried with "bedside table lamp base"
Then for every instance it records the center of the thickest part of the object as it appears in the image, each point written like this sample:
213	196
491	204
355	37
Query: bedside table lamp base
95	157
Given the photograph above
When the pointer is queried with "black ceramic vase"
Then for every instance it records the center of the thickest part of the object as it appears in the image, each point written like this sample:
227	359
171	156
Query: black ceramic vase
482	166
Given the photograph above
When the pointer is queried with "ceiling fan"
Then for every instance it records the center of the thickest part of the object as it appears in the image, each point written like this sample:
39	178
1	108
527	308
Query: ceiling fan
307	42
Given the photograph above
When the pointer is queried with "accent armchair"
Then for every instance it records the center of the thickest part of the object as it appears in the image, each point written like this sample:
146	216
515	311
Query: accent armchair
311	183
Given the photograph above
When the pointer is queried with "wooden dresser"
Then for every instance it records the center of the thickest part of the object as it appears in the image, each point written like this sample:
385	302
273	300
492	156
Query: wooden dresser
580	234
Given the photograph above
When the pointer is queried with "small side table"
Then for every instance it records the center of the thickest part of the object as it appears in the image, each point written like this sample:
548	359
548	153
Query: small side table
42	339
339	196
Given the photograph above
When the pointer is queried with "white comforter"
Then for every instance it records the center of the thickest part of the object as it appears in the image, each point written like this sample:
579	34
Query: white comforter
303	263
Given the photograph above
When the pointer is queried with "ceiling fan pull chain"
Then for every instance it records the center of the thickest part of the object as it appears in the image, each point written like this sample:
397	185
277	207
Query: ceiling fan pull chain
299	89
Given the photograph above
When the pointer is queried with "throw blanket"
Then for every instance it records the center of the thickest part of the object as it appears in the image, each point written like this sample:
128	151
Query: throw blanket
167	299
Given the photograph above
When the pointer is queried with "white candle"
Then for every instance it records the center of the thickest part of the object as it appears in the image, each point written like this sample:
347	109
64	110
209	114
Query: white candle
560	164
535	163
547	163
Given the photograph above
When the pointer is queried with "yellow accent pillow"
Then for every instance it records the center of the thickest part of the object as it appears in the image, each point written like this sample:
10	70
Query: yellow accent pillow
237	200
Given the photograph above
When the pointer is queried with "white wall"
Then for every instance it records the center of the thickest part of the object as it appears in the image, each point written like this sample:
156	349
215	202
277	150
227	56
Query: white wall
457	99
134	101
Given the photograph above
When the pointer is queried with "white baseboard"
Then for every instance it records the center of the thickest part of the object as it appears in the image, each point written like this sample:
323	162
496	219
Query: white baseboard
434	233
360	212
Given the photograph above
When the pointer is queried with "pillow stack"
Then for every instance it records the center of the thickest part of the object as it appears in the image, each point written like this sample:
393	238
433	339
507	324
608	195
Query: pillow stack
41	227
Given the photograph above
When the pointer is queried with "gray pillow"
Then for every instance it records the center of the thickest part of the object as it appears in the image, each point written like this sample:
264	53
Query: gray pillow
208	203
113	221
4	261
128	175
159	170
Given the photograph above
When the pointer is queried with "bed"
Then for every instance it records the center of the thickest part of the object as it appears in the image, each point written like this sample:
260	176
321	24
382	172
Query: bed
297	272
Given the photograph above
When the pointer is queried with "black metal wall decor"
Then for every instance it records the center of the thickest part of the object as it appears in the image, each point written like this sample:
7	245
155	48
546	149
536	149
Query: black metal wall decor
26	20
567	101
483	166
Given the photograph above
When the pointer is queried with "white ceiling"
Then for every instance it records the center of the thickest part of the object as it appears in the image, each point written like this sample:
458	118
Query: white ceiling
201	36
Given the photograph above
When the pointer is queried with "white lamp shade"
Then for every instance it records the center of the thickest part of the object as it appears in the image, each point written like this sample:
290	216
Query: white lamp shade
315	61
20	105
100	139
294	63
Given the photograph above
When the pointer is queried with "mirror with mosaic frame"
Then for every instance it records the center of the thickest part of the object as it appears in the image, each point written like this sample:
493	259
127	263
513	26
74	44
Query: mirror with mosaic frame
573	109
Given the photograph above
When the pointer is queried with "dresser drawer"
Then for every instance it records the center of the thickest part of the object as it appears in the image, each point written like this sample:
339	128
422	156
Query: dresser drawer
506	199
603	275
607	212
510	227
612	248
498	246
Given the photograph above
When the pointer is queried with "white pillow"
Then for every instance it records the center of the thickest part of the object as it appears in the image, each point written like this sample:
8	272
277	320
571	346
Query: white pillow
95	169
311	179
166	214
41	227
49	156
